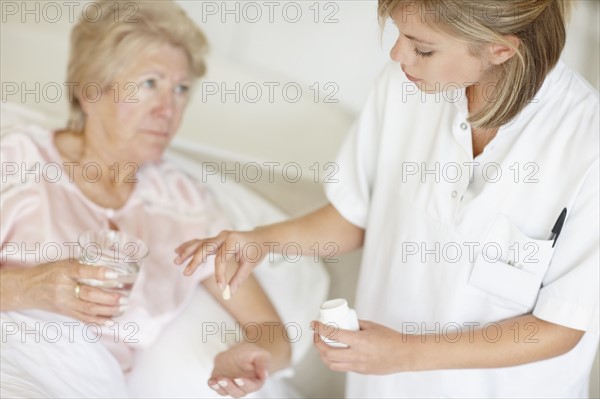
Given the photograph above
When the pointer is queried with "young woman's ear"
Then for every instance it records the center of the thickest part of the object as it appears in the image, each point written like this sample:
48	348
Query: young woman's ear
500	52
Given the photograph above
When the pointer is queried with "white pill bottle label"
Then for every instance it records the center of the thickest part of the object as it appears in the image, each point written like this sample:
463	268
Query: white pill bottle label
337	314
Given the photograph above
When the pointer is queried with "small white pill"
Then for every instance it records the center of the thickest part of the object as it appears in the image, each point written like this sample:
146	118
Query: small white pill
227	293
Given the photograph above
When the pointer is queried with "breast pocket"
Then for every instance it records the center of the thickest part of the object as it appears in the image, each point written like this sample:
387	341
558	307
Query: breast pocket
510	268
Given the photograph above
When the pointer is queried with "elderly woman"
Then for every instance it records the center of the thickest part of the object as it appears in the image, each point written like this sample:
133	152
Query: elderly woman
132	72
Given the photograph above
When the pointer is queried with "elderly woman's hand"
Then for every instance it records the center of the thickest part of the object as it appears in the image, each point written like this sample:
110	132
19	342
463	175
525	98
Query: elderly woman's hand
55	287
240	370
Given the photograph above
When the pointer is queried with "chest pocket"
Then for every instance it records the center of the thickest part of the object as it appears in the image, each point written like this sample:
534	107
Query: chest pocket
511	266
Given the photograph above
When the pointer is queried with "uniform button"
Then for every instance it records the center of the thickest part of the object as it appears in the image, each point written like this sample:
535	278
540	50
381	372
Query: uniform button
454	194
464	126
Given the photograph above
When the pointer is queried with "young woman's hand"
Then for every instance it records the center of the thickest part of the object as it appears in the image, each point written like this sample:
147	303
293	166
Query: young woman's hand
245	248
375	349
54	287
240	370
324	230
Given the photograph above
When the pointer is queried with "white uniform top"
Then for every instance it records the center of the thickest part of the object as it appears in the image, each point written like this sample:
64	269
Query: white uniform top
455	243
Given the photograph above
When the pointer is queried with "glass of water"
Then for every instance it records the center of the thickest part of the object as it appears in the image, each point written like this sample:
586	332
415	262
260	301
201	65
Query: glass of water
120	252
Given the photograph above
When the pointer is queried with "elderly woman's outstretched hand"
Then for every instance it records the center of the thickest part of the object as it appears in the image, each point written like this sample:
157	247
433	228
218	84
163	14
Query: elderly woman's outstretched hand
55	287
245	248
240	370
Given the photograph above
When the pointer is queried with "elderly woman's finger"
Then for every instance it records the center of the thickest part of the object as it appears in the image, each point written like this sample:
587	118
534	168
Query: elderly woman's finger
95	309
216	387
93	321
245	386
80	271
101	296
249	385
231	388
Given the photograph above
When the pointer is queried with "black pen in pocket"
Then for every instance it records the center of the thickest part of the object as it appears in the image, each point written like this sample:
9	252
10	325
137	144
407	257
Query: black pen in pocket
558	226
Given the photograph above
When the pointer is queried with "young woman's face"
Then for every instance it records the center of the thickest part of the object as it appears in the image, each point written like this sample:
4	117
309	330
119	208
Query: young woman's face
431	59
138	115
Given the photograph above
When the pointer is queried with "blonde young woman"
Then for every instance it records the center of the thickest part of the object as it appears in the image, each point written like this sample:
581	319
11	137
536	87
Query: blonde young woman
475	282
132	70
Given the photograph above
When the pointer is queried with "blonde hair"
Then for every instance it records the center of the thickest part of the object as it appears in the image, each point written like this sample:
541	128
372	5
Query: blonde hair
540	26
104	41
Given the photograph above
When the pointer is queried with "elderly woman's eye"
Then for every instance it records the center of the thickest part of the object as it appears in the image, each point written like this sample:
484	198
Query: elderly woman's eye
149	83
182	89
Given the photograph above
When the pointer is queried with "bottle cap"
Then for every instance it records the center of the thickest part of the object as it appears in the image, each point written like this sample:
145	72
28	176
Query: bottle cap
334	310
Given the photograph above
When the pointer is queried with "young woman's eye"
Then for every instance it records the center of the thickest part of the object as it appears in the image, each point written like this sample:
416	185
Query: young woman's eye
423	54
149	83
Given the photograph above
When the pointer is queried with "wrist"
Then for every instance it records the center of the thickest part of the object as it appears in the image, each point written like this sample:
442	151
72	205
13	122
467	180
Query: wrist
280	350
15	290
281	355
414	353
264	237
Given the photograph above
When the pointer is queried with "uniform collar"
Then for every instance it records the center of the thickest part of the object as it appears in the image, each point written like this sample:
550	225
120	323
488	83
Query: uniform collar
461	103
552	80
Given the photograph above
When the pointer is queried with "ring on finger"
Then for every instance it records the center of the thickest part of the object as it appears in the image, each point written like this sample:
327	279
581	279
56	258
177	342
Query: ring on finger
77	290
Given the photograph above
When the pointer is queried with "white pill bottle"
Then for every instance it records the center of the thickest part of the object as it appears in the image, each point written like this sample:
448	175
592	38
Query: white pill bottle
336	313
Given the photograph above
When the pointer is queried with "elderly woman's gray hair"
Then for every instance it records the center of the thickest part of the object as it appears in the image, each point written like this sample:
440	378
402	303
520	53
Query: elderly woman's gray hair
114	31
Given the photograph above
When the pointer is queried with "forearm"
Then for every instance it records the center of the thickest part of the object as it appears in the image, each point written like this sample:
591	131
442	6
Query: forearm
272	338
258	320
512	342
323	230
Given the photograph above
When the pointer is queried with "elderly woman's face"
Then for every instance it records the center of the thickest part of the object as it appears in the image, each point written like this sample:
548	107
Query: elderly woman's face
140	112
